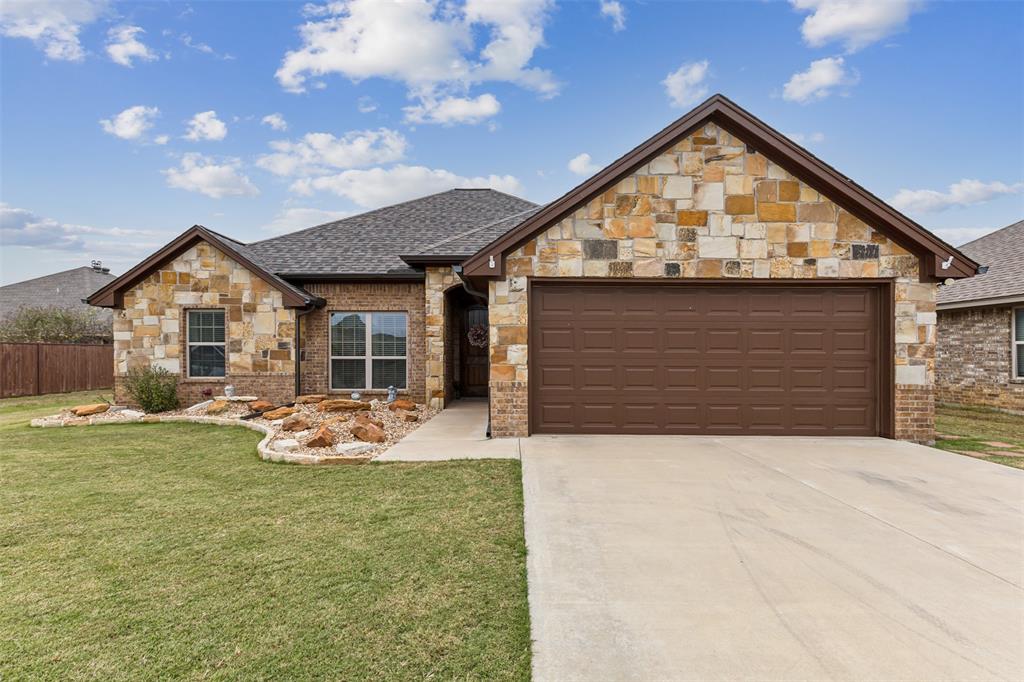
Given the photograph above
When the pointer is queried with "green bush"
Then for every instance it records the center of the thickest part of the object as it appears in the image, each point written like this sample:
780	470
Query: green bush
156	390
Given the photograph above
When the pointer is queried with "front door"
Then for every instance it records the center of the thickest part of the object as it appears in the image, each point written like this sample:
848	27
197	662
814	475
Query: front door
474	357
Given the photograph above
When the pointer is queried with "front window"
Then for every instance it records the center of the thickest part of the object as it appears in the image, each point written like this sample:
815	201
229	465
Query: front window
205	343
368	350
1018	343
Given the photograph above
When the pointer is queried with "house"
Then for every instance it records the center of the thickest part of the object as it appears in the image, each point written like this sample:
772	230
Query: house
980	351
66	289
716	279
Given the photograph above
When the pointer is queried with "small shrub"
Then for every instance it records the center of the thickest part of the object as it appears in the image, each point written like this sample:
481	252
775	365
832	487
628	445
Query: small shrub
155	389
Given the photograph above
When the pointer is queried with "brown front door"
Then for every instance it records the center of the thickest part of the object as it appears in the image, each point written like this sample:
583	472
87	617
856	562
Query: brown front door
705	359
473	358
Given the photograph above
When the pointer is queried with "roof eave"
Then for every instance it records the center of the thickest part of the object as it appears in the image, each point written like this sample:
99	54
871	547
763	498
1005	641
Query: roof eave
981	302
112	295
796	160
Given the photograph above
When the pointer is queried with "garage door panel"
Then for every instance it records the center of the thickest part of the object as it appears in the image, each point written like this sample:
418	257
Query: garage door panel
770	359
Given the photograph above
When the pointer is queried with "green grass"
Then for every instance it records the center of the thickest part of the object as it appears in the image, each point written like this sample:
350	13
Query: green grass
972	426
17	411
170	551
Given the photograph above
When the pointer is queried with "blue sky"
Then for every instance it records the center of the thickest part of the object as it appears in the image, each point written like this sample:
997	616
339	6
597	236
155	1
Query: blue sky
109	147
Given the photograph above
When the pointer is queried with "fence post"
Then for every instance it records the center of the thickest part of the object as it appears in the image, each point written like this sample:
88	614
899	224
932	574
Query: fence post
39	370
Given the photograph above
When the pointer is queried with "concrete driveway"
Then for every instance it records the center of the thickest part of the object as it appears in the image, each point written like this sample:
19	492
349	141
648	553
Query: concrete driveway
706	558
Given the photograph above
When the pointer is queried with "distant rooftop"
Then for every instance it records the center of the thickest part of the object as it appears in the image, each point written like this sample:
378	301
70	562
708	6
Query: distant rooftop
61	289
1003	252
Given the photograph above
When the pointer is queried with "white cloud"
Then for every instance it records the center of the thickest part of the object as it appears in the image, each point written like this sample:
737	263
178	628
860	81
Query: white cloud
275	121
297	218
451	110
426	44
582	165
818	81
318	153
806	138
189	42
614	11
958	236
123	46
963	193
685	86
203	174
132	123
21	227
53	25
380	187
206	126
161	139
855	23
366	104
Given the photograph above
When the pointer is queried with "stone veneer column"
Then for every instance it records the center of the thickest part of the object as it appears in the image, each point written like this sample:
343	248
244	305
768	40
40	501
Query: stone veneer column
439	280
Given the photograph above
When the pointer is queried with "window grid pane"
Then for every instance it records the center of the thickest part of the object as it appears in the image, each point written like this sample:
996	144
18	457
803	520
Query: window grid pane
206	326
388	373
348	334
389	332
1019	325
348	373
206	361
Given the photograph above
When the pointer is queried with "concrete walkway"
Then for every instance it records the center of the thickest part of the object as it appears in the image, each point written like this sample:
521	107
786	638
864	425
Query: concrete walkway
690	558
458	432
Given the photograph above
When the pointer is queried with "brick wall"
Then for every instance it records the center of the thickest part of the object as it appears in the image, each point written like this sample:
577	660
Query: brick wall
406	297
711	207
974	358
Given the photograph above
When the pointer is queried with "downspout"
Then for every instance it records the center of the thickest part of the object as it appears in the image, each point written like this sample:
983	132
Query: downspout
472	291
298	351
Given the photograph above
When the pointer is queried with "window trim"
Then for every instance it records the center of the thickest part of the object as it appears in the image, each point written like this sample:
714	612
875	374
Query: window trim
368	357
1016	345
189	344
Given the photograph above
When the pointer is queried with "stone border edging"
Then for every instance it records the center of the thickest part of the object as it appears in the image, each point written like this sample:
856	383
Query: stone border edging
262	448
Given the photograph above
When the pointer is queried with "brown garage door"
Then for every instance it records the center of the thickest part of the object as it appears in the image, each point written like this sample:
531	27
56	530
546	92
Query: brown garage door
711	359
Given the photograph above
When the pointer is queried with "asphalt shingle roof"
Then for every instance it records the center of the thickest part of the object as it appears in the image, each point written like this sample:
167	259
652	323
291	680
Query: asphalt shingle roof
61	289
1003	252
471	241
372	243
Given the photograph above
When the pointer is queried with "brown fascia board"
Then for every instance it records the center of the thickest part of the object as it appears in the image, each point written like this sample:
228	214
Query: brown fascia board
441	259
112	295
774	145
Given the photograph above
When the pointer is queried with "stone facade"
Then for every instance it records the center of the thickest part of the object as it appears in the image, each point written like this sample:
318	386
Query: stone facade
314	327
974	358
150	330
438	348
710	207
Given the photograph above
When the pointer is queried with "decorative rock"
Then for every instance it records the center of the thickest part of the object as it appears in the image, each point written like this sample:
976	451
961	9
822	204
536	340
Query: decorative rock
86	410
365	418
261	406
198	406
409	416
216	407
306	399
78	421
295	422
279	413
133	414
369	433
286	445
352	448
402	404
323	438
237	398
342	404
332	459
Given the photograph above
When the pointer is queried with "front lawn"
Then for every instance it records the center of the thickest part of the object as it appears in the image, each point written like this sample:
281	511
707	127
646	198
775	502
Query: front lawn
982	432
169	550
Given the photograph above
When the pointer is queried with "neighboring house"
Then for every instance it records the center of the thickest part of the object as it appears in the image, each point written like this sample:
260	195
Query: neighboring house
717	279
980	353
67	289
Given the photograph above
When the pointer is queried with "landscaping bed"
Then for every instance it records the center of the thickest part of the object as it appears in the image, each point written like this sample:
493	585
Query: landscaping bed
316	429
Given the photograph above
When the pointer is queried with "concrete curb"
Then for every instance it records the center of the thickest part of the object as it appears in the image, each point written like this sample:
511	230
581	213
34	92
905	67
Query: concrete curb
262	448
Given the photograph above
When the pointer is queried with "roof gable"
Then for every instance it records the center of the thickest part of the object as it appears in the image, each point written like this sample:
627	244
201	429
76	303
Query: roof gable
939	259
112	294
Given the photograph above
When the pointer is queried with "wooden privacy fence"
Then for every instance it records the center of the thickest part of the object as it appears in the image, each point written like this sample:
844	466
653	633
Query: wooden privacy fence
40	368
